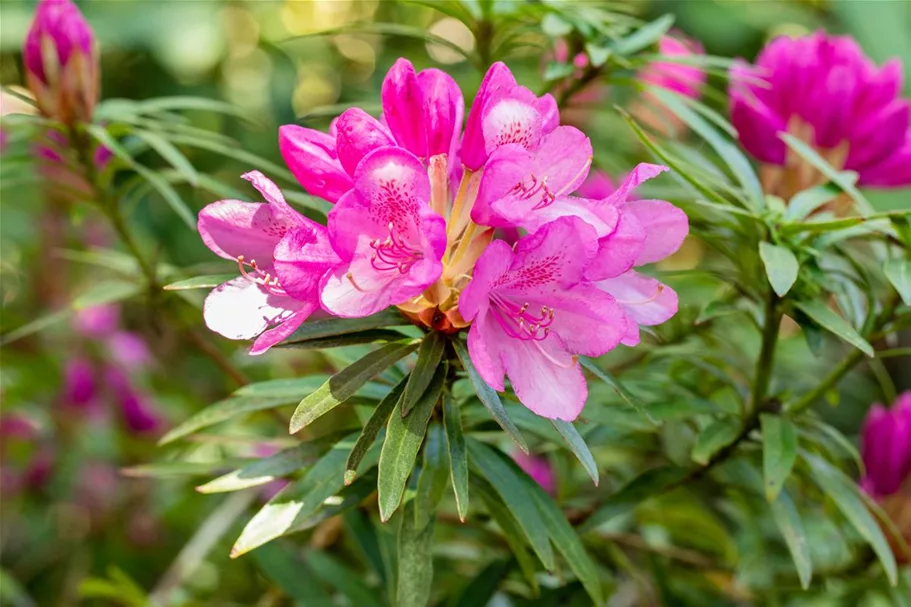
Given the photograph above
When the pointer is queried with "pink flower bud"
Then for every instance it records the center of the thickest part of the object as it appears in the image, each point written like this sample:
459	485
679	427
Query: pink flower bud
886	447
61	62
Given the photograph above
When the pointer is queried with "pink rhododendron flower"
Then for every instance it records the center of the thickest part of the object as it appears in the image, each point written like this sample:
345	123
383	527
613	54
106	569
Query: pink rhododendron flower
826	91
79	386
61	62
678	77
886	447
538	468
138	414
248	233
533	312
98	321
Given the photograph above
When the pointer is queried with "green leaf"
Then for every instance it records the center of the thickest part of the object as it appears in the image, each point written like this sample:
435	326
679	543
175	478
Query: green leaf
458	456
200	282
645	36
415	570
651	482
100	134
297	502
264	470
429	356
221	411
372	428
284	568
404	436
779	452
577	445
331	327
434	474
508	484
289	387
624	394
804	203
169	152
369	336
846	495
718	435
898	271
186	102
843	180
791	526
781	266
349	583
176	469
481	588
829	320
512	532
488	396
345	383
729	152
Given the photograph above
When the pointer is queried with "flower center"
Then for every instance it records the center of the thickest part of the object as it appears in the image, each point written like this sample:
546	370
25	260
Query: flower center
393	253
518	322
263	279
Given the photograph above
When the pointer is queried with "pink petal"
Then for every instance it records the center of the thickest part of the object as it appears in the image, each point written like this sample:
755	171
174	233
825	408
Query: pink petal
665	227
311	156
892	172
231	228
506	166
879	136
473	151
242	309
302	257
587	320
283	330
550	113
484	342
641	173
599	185
512	117
618	251
359	133
403	107
494	262
552	258
645	300
443	109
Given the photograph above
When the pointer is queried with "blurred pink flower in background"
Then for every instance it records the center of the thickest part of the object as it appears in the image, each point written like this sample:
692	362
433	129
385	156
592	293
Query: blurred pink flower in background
26	459
824	90
681	78
538	468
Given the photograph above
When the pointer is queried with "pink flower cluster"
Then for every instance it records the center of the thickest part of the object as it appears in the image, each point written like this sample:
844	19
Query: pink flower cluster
418	205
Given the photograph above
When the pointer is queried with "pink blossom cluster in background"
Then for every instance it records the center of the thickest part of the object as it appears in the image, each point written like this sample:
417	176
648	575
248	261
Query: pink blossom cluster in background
418	202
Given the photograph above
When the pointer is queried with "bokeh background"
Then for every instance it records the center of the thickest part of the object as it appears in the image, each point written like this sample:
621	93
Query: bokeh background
81	517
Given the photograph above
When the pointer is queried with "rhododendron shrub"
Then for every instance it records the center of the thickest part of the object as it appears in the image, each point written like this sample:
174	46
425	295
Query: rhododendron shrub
491	329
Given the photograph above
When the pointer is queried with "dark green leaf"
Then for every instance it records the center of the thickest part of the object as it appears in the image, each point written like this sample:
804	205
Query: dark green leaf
458	456
429	356
480	589
372	428
846	495
281	565
330	327
781	266
577	445
345	383
299	501
221	411
404	436
651	482
512	532
791	526
199	282
716	436
434	474
508	484
898	271
169	152
350	339
415	571
289	387
349	583
488	396
779	452
264	470
607	378
831	321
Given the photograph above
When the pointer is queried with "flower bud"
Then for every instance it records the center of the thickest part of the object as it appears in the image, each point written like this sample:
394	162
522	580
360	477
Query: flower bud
61	62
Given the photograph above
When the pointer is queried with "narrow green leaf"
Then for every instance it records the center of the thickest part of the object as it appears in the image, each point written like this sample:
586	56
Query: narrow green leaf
781	266
577	445
169	152
415	570
804	203
404	436
372	428
779	452
349	583
607	378
288	387
221	411
330	327
284	568
834	323
729	152
645	36
791	526
200	282
718	435
839	178
429	356
488	396
512	532
481	588
369	336
846	495
264	470
458	456
508	484
898	271
176	469
100	134
639	489
186	102
345	383
300	500
434	474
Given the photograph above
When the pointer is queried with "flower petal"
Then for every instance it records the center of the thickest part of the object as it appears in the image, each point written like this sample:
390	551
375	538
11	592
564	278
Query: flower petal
359	133
242	309
231	228
473	151
403	107
552	258
546	379
644	299
311	156
443	110
283	330
618	251
494	262
512	117
893	172
302	258
641	173
665	227
485	339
